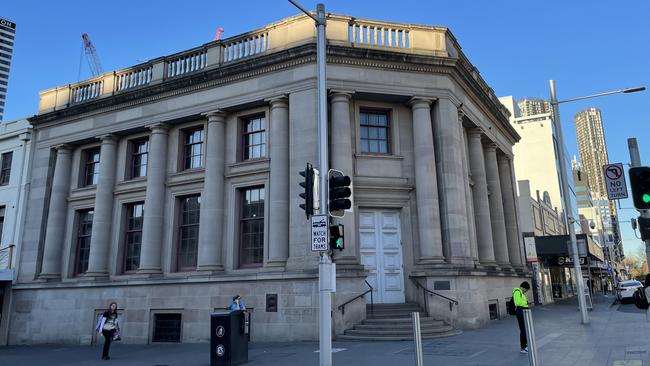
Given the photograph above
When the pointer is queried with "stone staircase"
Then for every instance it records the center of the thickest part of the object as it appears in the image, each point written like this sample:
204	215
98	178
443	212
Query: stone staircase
392	322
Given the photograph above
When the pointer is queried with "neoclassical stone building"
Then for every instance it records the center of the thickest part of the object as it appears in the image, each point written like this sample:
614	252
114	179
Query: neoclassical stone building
170	186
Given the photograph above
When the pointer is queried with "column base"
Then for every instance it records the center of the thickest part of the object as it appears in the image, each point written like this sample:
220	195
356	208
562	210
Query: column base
490	265
149	271
432	261
462	262
210	268
506	267
94	276
49	277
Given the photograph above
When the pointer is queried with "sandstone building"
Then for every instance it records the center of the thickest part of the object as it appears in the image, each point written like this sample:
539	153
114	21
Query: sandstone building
172	185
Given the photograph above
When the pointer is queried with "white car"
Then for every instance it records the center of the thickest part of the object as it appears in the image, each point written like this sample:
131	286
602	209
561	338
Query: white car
626	289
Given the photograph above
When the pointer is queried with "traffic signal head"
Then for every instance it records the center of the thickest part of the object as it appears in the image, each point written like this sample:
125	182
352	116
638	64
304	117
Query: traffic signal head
337	237
339	193
644	228
640	184
310	195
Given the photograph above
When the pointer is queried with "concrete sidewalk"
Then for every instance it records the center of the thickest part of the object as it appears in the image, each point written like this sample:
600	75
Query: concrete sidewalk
618	335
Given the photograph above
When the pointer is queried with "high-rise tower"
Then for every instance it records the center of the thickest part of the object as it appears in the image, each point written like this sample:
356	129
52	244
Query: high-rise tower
7	34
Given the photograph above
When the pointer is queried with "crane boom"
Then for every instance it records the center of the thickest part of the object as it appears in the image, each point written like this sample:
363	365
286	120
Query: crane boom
91	55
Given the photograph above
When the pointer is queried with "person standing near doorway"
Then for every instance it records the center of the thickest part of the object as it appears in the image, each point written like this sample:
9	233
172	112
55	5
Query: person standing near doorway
521	303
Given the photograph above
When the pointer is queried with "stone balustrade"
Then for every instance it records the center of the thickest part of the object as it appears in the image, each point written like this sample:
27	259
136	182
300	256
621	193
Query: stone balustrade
290	32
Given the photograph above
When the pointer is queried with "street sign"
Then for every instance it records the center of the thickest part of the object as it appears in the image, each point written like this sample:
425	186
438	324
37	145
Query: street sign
615	181
319	237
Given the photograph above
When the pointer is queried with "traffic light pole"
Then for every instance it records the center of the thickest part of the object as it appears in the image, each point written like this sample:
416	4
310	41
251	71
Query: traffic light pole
325	284
635	160
568	210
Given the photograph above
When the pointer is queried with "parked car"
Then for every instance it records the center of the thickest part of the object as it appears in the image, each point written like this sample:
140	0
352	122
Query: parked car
626	289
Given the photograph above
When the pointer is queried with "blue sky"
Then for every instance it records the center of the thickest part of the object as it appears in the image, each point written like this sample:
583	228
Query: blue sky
585	46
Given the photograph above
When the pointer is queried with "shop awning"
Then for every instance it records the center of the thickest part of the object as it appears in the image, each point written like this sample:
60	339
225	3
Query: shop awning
557	245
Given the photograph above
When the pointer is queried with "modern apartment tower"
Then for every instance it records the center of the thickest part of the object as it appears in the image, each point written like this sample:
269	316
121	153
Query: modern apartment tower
7	34
593	156
534	106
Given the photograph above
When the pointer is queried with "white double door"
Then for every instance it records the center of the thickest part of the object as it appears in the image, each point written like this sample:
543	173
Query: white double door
381	254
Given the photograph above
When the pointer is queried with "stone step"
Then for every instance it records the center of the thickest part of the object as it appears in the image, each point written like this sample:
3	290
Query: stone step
396	321
394	315
397	332
389	326
396	338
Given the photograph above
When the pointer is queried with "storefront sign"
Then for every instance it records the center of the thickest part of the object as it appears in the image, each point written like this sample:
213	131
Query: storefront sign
531	250
567	261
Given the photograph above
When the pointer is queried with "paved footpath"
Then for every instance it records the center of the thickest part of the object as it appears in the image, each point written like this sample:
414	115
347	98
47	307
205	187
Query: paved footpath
617	335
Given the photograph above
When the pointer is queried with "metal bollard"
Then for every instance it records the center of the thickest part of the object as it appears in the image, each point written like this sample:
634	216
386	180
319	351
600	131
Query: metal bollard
530	335
417	338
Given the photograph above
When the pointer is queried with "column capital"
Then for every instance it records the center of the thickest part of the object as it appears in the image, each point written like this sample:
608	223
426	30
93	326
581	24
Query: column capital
108	138
278	101
216	115
158	127
504	157
62	148
340	95
475	132
421	102
491	146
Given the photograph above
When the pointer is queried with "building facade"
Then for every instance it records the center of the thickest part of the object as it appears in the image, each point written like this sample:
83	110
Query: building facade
529	107
7	35
171	186
15	148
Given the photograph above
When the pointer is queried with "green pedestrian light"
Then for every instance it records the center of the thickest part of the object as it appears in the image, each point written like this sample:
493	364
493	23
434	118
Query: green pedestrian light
646	198
640	185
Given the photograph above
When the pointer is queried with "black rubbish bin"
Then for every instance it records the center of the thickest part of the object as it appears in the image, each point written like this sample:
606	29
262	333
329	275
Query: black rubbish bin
228	338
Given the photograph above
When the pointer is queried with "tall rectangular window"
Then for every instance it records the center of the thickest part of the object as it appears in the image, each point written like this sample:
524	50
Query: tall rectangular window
251	224
139	158
5	168
84	229
91	167
254	138
188	232
133	236
375	132
2	221
193	149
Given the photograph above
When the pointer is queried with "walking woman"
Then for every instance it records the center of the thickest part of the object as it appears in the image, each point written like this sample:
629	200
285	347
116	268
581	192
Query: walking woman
110	328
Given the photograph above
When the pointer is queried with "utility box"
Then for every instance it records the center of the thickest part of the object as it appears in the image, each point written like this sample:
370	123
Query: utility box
228	338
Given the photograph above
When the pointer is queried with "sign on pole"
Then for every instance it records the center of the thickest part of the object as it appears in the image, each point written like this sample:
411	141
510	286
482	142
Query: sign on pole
319	237
615	181
531	249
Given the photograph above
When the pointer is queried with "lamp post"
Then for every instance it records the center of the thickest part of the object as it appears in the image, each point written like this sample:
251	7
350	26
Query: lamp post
565	187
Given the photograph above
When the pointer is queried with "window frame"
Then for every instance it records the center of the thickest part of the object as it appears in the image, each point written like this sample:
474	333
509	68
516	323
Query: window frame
125	236
179	230
388	128
133	153
7	170
240	225
78	227
243	134
85	164
185	133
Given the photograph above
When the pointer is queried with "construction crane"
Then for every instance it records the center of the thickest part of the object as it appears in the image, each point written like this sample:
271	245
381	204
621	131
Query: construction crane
91	55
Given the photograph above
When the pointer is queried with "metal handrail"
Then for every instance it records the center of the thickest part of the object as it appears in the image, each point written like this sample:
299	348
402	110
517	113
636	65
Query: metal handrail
7	252
426	290
342	306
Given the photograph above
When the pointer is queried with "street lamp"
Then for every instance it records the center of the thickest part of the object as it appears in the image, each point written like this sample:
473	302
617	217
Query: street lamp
565	186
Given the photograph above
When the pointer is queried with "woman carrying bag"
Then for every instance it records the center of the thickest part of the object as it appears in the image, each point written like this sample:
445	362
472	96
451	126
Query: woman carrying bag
110	328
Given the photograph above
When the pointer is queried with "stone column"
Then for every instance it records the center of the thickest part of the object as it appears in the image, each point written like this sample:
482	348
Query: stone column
212	196
154	202
102	218
279	182
471	223
480	195
56	217
509	212
426	184
342	159
496	206
451	183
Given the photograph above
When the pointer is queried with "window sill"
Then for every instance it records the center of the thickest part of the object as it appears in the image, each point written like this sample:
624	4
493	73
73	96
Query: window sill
244	163
378	156
86	189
